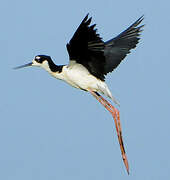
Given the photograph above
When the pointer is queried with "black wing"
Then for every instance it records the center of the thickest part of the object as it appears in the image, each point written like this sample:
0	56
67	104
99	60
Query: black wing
117	48
87	48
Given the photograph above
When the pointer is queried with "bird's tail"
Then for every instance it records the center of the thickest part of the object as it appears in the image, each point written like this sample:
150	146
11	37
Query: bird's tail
103	88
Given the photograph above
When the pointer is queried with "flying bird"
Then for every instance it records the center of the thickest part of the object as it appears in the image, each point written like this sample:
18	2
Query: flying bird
90	60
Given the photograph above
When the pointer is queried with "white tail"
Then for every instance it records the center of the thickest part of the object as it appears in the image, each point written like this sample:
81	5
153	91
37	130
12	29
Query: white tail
103	88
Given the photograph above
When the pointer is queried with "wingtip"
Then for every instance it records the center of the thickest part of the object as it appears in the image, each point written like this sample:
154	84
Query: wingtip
87	14
140	19
86	17
136	23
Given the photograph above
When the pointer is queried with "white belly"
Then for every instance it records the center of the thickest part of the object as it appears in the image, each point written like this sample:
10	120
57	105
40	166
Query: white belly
79	77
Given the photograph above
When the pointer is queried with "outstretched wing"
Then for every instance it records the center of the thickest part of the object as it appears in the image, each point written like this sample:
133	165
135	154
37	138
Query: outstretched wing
117	48
87	48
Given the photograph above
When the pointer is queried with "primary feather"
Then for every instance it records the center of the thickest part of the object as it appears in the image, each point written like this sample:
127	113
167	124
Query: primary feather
117	48
87	48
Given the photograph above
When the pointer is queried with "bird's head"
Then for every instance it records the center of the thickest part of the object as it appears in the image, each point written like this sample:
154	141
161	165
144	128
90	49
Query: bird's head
43	61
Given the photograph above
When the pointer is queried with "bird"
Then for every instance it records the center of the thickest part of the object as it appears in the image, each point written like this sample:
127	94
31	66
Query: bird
90	60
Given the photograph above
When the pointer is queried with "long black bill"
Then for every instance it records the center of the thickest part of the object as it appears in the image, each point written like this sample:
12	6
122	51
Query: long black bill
26	65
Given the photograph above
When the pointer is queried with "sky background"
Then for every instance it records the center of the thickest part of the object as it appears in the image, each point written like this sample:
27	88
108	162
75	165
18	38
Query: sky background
49	130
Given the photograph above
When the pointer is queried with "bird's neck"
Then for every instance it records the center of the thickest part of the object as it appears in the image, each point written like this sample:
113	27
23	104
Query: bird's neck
52	68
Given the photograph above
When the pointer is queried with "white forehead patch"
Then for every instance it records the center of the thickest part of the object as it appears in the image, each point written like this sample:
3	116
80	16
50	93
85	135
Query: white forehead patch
37	57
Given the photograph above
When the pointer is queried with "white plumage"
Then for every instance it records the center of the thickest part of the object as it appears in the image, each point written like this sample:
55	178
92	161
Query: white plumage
90	60
79	77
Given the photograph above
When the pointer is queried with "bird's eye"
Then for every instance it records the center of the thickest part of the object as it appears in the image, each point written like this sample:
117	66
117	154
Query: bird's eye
38	58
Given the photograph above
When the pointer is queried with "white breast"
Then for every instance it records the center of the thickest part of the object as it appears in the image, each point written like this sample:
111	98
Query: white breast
79	77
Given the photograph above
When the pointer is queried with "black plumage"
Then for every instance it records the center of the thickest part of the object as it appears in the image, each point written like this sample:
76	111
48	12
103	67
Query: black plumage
53	67
87	47
117	48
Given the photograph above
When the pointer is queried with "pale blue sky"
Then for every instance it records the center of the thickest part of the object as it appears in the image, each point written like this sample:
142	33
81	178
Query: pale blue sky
49	130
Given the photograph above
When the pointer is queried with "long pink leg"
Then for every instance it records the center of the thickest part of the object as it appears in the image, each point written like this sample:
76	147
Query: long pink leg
116	117
117	120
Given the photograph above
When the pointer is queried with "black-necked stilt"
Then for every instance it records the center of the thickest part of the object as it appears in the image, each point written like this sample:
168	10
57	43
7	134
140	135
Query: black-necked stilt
90	60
